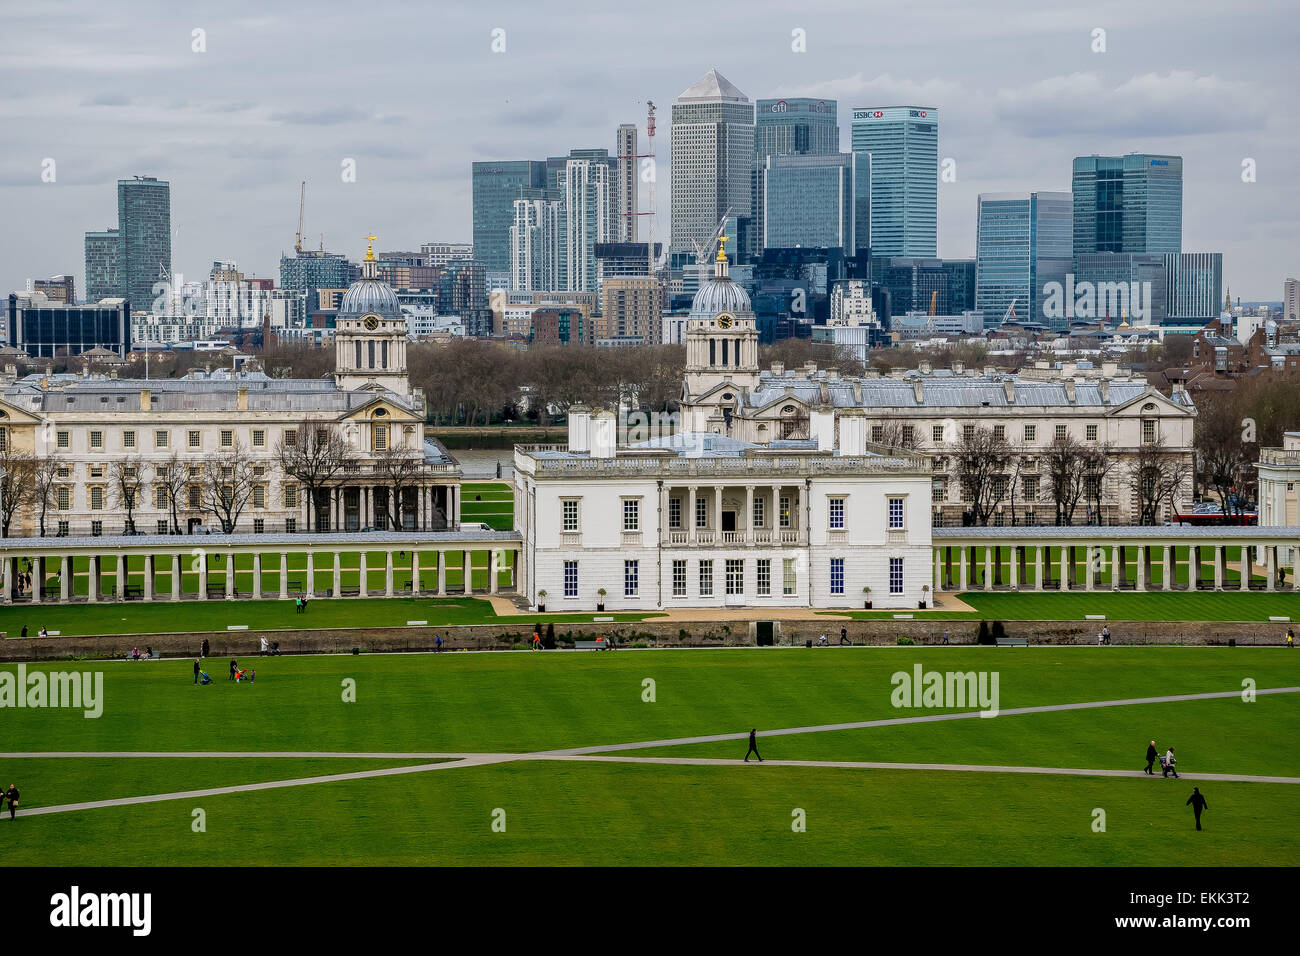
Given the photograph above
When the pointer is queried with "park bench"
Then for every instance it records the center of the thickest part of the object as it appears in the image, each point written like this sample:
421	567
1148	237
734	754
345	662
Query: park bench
217	591
1013	641
592	645
133	591
51	590
350	592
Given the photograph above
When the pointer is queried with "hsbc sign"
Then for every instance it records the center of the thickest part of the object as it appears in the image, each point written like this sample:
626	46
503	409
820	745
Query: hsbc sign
894	113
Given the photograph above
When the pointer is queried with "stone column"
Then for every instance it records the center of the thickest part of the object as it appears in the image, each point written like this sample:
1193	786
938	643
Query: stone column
1295	568
203	576
1193	567
415	569
38	579
92	579
257	575
493	558
230	576
1090	578
363	580
176	577
938	570
453	509
988	568
1218	567
467	571
749	514
338	574
690	518
148	577
442	573
1141	580
1270	567
717	514
310	590
1064	584
284	575
1040	554
65	578
775	521
1247	563
388	574
1013	566
119	582
1167	569
962	572
9	579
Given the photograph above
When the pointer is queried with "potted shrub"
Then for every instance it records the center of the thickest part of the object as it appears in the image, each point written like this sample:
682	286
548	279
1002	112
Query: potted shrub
600	599
925	591
866	598
541	600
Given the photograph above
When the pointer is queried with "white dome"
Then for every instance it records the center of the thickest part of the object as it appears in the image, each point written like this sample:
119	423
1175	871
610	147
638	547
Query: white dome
719	294
369	295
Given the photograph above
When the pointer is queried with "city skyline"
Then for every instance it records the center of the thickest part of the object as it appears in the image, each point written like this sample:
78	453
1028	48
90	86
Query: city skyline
234	129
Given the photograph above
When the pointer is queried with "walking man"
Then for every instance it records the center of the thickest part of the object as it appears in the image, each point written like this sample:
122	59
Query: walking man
1290	636
12	796
234	666
437	644
844	635
196	670
1105	633
753	746
1152	754
1197	803
205	648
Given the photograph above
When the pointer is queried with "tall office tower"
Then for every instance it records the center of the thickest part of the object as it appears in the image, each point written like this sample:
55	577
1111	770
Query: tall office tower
913	284
904	145
807	201
588	190
794	127
627	183
1130	203
144	222
1291	300
630	307
104	265
961	285
535	262
1022	243
1193	287
712	160
862	209
1144	286
496	186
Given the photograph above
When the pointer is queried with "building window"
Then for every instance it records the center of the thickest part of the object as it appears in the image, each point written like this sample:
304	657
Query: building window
788	579
631	514
895	575
758	512
679	579
785	511
291	525
674	512
570	579
706	579
1091	432
1060	433
735	569
877	433
259	438
291	496
227	438
569	510
837	514
1029	484
1000	432
290	438
63	498
128	439
909	435
194	439
763	575
259	525
968	433
936	433
96	439
259	496
160	497
160	439
381	437
939	490
97	499
1031	432
194	495
161	526
1148	431
895	514
701	512
96	528
630	575
96	471
837	575
63	440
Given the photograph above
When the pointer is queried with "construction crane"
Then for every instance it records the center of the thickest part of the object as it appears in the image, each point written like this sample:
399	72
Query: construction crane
702	253
934	300
1011	311
302	200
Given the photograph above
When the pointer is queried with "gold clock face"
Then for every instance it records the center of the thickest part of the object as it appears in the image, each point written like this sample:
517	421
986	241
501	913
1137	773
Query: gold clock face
725	320
371	322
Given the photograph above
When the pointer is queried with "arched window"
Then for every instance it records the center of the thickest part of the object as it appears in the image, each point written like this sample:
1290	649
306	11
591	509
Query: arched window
357	364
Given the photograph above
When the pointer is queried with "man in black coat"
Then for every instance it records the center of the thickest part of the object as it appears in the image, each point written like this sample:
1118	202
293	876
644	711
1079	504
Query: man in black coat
1197	803
753	746
1152	754
844	635
12	796
196	670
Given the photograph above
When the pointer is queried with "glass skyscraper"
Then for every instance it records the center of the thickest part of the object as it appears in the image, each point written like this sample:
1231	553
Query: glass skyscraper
904	145
1023	242
496	187
793	127
1131	203
144	224
104	265
1193	286
808	201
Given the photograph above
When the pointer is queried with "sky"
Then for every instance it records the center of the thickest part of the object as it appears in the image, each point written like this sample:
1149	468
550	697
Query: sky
267	95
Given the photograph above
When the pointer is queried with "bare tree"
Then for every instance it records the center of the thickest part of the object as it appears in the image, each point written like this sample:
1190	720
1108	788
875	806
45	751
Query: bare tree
126	475
227	485
401	469
314	454
980	458
173	476
897	433
45	474
1159	475
1222	455
1065	465
15	485
1097	461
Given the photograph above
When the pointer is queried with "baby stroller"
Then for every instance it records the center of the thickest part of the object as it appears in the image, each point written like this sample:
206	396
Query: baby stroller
1167	766
205	677
275	649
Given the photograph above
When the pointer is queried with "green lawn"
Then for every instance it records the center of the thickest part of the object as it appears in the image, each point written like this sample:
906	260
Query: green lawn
664	814
1107	575
216	614
488	502
1122	606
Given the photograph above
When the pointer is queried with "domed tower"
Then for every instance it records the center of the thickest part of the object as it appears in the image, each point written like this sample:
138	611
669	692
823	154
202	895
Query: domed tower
721	334
370	334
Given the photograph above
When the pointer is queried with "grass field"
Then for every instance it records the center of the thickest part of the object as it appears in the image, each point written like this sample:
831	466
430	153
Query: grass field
1121	606
574	811
488	502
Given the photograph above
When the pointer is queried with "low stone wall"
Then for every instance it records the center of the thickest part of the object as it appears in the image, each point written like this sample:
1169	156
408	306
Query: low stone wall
503	636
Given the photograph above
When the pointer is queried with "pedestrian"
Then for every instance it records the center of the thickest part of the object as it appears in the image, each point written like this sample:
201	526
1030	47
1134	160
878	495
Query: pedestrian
437	644
1169	764
196	670
12	796
1105	633
297	605
822	642
44	632
1290	636
24	633
148	652
753	746
945	637
265	646
205	648
1152	754
304	604
844	635
234	666
1197	803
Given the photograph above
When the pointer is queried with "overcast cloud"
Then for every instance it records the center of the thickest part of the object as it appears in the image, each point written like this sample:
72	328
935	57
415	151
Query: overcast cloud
413	92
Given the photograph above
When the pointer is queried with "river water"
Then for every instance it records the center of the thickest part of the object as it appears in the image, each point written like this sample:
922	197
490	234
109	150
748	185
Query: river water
481	463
